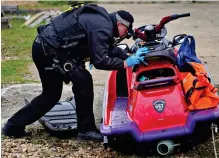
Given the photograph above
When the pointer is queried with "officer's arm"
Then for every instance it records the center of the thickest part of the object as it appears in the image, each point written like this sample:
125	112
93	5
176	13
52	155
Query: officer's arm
99	42
118	52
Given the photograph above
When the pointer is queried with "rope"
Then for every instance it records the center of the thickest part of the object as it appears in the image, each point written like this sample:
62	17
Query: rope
213	126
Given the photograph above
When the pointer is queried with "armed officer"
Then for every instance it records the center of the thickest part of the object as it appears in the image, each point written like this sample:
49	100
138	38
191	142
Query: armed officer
77	35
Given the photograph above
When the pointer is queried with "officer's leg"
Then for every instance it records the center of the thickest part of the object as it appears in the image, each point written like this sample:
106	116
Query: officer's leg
52	83
52	89
84	95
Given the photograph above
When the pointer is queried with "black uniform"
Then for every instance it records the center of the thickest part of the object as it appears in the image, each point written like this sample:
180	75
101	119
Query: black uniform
76	34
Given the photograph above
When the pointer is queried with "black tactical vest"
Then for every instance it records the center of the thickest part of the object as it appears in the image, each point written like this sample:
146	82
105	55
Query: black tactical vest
67	27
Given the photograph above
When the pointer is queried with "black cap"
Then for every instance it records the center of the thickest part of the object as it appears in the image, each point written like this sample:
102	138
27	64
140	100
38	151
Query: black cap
125	18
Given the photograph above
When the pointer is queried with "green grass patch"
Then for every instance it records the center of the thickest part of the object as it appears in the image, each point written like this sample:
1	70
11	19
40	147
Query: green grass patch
17	41
47	5
16	45
62	5
13	71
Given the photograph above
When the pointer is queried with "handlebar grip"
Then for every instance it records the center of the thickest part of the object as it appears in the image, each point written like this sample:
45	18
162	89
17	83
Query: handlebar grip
176	16
183	15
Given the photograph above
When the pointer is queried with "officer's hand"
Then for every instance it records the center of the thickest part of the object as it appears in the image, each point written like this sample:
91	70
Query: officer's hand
133	49
133	60
142	51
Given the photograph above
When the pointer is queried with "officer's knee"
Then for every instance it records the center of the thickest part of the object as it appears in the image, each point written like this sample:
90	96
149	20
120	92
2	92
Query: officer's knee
52	98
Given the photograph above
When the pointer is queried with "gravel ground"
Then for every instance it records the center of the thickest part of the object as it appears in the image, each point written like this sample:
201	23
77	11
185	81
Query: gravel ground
42	144
12	98
203	24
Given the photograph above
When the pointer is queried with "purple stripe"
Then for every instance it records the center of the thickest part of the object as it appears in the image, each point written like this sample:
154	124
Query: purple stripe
132	128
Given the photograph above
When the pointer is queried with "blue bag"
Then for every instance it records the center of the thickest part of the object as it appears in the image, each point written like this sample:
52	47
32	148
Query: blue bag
187	52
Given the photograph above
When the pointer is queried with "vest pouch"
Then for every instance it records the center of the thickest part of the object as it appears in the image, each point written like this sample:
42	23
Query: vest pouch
40	28
47	48
66	26
72	41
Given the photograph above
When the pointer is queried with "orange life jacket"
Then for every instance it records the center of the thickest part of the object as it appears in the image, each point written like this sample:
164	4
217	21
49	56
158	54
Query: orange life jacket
199	91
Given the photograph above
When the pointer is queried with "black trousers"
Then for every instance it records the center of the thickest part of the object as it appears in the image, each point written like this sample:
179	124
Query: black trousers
52	84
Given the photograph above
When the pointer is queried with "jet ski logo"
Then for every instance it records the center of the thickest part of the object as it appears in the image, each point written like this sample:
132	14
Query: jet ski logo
159	105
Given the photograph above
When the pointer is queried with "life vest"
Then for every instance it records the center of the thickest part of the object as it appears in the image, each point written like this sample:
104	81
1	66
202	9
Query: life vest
199	91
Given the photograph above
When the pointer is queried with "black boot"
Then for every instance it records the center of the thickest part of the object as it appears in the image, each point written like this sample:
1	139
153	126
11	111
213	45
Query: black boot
14	131
91	135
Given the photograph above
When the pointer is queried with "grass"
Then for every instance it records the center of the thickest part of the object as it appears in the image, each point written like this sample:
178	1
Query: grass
62	5
16	52
17	41
40	6
13	71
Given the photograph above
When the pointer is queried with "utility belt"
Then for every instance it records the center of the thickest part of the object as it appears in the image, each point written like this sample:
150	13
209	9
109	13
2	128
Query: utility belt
62	62
51	51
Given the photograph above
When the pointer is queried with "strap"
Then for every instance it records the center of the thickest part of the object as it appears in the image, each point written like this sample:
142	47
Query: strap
207	78
74	6
198	88
189	93
191	90
123	21
213	89
194	82
192	43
